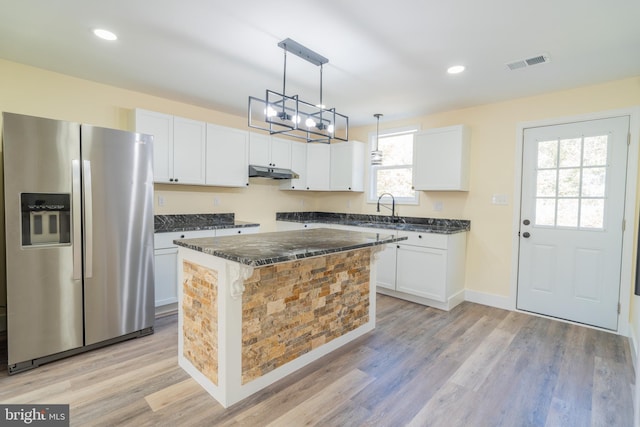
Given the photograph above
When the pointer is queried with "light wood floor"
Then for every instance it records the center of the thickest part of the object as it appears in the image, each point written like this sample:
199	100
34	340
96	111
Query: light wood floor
473	366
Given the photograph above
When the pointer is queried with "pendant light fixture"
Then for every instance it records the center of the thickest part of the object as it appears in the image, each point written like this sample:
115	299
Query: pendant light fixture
376	154
281	114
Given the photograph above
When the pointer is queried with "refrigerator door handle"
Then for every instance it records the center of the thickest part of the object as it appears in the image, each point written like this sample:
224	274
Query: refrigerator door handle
77	223
88	219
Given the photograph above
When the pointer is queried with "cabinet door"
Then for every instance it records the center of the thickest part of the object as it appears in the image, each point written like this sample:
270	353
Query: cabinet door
441	159
386	267
299	166
189	145
259	149
227	163
280	153
347	166
421	271
166	276
318	166
341	166
161	127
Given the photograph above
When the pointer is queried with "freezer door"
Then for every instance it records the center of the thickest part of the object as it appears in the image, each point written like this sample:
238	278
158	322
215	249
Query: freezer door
44	300
118	231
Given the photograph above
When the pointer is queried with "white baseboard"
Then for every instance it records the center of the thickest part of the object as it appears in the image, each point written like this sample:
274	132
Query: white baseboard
491	300
633	345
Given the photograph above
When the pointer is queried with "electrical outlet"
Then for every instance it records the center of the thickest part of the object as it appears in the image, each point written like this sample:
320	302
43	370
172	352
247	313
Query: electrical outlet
438	206
160	200
348	204
216	201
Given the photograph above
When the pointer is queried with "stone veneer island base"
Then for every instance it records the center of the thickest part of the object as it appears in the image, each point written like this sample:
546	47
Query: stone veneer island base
255	308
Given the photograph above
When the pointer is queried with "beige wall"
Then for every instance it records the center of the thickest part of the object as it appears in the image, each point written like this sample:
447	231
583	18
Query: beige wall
33	91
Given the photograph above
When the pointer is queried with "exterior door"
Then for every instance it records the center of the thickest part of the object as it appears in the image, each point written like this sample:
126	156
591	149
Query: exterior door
571	225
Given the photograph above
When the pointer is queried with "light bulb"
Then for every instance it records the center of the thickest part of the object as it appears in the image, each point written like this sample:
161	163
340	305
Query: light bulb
270	112
330	128
310	122
295	119
455	69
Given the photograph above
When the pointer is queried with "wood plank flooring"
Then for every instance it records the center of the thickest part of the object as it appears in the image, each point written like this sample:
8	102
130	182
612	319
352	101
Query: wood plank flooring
473	366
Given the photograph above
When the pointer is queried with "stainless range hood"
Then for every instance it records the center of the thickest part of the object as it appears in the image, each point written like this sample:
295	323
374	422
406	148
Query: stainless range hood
271	172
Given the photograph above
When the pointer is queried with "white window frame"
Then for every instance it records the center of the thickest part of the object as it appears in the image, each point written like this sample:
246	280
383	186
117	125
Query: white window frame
372	187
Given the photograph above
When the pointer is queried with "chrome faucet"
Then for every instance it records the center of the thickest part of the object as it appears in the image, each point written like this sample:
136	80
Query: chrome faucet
393	204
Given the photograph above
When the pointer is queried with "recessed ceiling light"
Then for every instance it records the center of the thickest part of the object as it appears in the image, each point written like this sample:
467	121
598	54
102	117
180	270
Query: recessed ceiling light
105	34
455	69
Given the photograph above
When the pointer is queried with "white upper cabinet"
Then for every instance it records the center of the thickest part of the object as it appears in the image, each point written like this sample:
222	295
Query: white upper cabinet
441	159
347	166
189	145
280	153
318	167
178	147
227	160
299	166
265	150
161	127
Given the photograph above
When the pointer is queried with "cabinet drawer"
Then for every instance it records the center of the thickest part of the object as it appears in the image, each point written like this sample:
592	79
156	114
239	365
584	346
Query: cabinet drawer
426	240
165	240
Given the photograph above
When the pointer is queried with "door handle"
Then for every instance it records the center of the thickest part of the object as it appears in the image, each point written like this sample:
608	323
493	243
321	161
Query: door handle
75	216
526	234
88	219
526	222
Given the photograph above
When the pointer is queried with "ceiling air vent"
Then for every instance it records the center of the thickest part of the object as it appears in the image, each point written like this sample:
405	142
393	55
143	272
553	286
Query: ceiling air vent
523	63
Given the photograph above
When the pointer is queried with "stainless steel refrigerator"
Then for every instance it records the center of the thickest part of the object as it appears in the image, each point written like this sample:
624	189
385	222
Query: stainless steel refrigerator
79	237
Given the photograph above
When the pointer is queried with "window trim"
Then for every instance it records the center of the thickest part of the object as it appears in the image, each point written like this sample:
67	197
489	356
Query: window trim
372	184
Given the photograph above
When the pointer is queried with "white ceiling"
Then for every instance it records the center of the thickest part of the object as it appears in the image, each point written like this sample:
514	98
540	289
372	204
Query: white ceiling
385	57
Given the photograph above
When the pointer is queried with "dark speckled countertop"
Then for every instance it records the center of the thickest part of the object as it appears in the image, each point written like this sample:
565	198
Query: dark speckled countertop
262	249
187	222
423	225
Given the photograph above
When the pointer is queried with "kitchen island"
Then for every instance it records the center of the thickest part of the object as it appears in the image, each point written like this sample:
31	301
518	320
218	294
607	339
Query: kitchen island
255	308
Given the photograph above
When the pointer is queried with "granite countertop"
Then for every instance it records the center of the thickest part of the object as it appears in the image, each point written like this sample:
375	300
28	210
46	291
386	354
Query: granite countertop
270	248
187	222
424	225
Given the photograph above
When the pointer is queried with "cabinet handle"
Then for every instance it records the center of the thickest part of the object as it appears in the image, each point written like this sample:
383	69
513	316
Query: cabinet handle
307	188
239	232
293	187
247	184
176	179
397	246
349	188
419	236
182	236
170	179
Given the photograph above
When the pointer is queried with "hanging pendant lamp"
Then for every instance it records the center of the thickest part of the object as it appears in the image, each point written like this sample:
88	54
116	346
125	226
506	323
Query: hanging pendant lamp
281	114
376	154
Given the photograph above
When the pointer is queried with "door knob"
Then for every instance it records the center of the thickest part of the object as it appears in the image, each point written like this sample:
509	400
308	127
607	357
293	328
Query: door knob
526	235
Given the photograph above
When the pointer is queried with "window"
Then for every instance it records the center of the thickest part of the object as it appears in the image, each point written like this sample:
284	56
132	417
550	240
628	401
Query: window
394	175
570	182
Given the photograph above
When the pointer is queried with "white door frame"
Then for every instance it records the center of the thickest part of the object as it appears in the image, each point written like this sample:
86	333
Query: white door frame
628	238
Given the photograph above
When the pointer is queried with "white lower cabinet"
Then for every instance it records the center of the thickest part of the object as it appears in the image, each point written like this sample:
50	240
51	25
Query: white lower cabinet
421	271
427	268
166	259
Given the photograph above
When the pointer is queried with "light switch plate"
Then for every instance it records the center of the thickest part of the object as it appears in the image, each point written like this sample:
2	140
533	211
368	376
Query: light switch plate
499	199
